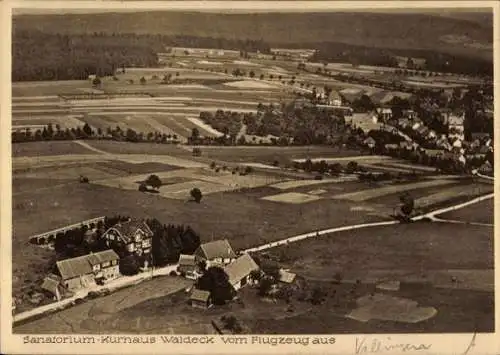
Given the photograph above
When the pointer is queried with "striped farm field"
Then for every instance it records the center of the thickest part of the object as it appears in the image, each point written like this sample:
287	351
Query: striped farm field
300	183
408	166
66	121
369	194
50	88
455	192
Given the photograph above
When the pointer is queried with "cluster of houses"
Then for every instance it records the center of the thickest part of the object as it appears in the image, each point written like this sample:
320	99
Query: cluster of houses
132	237
216	253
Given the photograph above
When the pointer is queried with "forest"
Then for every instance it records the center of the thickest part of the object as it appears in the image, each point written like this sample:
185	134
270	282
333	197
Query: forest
38	56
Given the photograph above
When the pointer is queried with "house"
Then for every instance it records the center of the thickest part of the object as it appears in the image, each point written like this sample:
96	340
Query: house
133	237
105	265
431	134
334	99
423	131
391	146
456	125
409	114
218	252
238	272
52	285
84	271
406	145
187	264
370	142
200	299
385	114
486	168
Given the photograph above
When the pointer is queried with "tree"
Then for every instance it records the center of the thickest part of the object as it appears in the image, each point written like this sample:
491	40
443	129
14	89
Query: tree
271	269
96	81
265	286
216	281
408	204
87	130
195	133
251	74
142	80
129	265
352	166
196	194
153	181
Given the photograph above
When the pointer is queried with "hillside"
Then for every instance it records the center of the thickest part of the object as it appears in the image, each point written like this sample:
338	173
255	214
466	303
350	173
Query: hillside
453	33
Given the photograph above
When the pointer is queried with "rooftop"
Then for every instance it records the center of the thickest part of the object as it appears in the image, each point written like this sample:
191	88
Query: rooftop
217	249
240	268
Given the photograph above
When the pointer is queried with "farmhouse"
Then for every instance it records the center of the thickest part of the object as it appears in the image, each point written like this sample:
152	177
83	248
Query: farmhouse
52	285
187	263
84	271
218	252
200	299
238	272
132	237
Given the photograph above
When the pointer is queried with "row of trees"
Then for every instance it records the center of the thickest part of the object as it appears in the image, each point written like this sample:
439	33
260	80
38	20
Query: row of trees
49	133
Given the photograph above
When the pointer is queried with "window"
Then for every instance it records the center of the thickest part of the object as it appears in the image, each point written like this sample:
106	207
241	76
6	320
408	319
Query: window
113	262
96	267
106	264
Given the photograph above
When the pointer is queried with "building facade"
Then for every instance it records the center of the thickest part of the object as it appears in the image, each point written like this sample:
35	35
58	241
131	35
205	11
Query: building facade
131	237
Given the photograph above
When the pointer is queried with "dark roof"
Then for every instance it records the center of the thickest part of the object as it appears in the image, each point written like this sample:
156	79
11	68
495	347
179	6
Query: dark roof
82	265
127	229
74	267
240	268
187	260
52	284
217	249
102	256
199	295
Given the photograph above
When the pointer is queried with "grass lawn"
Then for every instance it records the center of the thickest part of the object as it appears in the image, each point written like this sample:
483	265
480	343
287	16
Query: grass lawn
33	149
457	311
482	212
408	247
138	148
267	155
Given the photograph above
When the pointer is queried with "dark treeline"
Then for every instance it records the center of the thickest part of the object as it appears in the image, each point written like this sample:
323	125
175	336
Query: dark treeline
434	60
41	56
169	241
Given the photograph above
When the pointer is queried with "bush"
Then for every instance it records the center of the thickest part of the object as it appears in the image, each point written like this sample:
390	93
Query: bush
196	194
173	273
318	177
129	265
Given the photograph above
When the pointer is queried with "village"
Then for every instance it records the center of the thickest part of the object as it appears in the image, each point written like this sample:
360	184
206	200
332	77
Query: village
189	184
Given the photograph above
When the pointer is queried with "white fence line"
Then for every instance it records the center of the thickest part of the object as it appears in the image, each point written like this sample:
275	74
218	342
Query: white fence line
68	227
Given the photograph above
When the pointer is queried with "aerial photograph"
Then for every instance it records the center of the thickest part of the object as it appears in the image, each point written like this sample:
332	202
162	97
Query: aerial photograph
252	172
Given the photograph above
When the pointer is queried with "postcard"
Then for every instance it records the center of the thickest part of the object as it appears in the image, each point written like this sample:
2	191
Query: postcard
248	177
